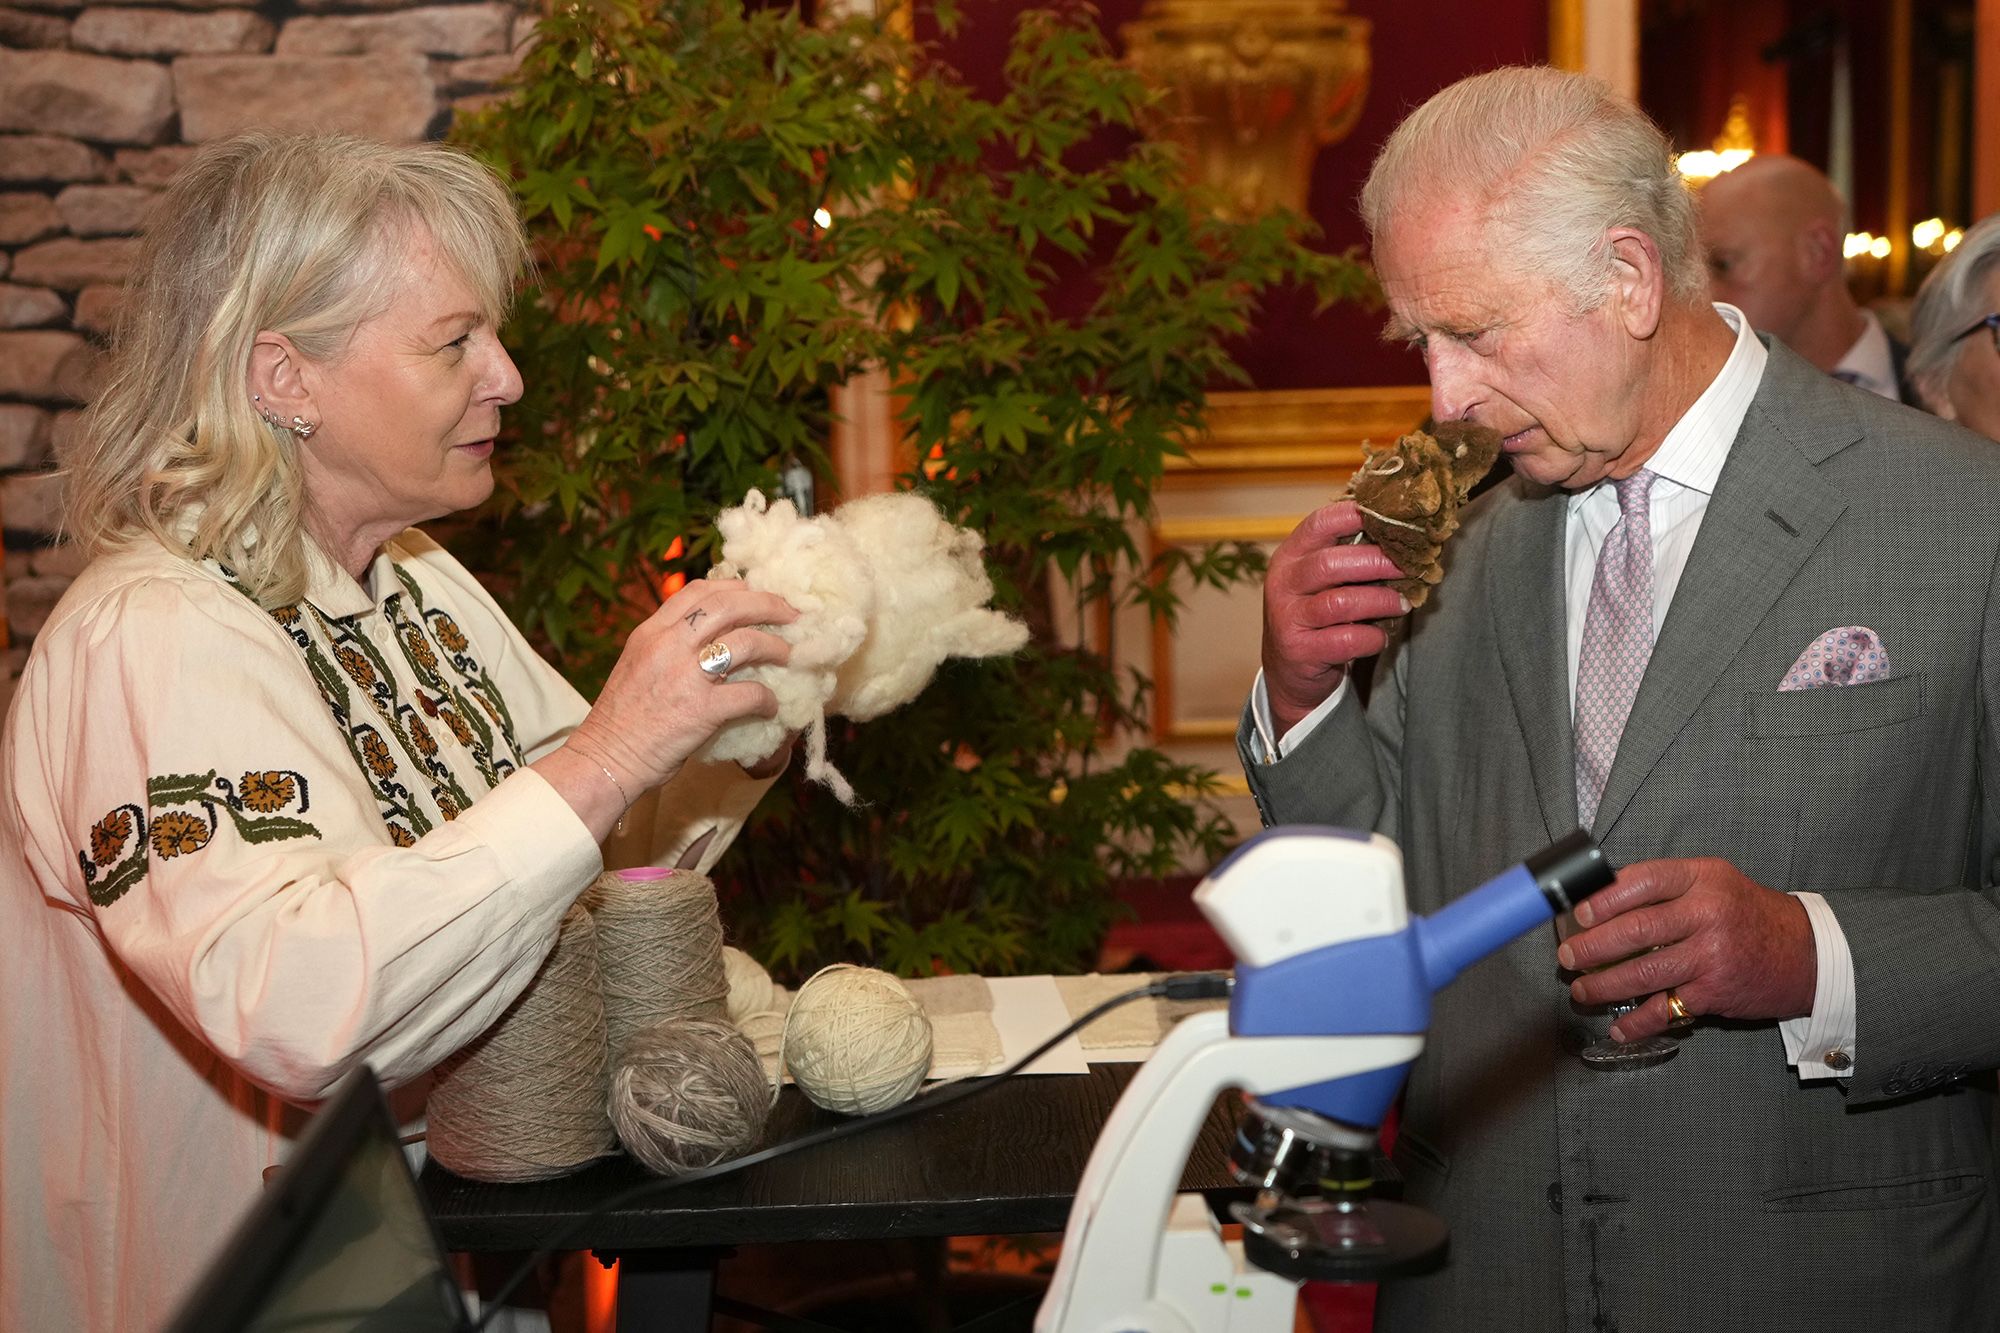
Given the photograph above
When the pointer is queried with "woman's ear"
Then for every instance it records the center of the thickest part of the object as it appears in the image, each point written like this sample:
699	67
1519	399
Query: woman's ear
277	380
1930	392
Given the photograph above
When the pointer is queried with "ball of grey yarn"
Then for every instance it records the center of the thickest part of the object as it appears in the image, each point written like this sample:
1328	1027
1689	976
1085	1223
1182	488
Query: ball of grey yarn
689	1093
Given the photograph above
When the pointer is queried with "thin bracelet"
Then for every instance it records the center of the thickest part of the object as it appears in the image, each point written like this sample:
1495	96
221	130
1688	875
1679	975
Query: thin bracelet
619	827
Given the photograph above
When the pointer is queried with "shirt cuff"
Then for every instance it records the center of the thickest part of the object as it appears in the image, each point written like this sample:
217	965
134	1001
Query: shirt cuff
535	834
704	800
1821	1045
1260	713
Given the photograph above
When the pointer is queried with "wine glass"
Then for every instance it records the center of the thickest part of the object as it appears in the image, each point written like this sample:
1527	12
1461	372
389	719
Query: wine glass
1604	1053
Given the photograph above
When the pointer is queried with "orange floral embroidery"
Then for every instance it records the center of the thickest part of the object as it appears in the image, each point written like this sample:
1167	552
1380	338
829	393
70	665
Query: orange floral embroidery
401	836
449	634
376	751
266	792
458	725
447	806
286	615
426	743
420	649
108	835
356	665
177	834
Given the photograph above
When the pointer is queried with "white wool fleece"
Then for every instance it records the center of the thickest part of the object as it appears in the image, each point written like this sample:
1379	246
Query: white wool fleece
886	589
931	590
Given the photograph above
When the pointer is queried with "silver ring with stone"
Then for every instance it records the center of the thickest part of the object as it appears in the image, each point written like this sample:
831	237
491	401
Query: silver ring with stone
715	659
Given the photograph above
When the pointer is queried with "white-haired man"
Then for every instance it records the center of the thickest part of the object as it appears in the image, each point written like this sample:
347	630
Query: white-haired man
1774	229
1738	619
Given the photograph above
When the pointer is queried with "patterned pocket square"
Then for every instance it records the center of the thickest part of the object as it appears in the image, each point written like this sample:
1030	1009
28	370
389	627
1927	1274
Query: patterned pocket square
1850	655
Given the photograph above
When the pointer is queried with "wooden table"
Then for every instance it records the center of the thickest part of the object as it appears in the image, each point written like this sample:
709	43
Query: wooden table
1007	1161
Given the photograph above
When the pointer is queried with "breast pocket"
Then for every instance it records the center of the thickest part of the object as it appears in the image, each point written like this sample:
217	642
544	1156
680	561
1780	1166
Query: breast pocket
1835	710
1836	774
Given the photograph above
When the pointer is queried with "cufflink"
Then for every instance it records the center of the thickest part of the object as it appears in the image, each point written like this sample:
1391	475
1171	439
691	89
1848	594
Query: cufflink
1838	1061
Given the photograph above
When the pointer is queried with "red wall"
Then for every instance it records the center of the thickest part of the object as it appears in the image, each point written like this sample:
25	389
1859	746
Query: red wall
1418	47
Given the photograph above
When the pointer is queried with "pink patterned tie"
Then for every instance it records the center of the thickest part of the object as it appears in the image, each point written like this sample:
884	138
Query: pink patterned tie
1617	640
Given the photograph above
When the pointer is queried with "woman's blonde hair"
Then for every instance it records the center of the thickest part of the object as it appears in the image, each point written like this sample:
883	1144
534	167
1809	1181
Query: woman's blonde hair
292	234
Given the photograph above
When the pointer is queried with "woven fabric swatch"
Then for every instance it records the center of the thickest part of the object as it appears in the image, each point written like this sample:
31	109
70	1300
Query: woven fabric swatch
943	996
963	1045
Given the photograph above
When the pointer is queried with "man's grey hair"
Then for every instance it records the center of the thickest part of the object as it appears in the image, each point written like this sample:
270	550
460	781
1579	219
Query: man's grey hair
1558	160
1952	299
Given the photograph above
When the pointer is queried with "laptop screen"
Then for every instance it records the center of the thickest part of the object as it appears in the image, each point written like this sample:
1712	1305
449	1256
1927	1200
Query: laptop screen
339	1240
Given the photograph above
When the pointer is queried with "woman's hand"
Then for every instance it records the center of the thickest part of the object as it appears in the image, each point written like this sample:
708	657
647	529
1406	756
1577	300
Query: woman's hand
659	706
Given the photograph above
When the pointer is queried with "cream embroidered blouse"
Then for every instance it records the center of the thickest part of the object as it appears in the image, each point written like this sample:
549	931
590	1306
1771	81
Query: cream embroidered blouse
239	853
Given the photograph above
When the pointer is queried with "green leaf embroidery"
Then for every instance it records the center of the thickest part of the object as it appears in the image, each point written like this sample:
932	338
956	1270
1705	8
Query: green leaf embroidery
122	877
170	791
178	788
270	828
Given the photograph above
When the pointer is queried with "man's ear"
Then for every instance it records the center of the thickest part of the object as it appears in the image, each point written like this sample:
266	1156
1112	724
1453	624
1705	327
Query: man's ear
278	378
1820	252
1639	281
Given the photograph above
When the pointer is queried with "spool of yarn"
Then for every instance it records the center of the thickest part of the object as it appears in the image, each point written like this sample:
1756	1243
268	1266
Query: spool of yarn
751	990
686	1088
688	1093
659	950
525	1100
856	1041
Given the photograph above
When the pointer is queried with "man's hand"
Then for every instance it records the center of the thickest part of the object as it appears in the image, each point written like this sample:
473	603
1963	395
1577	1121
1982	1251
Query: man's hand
1722	942
1320	597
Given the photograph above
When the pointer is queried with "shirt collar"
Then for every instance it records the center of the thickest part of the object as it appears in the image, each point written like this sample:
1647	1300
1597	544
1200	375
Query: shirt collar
1698	445
336	592
1869	360
329	587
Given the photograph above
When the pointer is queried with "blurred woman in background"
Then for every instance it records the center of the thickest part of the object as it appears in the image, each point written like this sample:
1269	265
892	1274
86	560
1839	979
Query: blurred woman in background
1955	330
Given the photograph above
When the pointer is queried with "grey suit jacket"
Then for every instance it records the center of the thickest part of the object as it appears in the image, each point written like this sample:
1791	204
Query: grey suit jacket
1715	1191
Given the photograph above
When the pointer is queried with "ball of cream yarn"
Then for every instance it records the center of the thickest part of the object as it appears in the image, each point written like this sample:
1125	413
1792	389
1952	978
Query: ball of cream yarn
751	990
856	1040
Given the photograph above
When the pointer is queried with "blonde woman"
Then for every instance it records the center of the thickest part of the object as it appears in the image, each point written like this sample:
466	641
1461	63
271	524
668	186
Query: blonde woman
282	790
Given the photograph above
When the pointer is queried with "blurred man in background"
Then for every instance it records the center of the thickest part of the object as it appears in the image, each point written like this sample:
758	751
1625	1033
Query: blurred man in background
1774	230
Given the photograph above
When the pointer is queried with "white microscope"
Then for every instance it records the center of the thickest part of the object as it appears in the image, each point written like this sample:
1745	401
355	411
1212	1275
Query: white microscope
1331	999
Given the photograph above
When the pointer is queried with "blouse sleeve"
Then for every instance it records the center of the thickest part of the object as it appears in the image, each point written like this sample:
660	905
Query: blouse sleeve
703	800
186	792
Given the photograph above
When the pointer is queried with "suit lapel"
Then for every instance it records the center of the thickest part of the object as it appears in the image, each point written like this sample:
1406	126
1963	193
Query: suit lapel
1525	597
1769	513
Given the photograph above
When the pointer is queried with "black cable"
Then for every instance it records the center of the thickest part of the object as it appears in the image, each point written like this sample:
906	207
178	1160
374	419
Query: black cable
1007	1316
1181	986
743	1312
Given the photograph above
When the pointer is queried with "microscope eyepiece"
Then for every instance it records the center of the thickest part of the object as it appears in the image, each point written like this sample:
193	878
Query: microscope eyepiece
1570	870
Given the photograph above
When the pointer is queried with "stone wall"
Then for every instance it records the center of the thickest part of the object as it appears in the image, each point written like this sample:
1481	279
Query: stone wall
99	104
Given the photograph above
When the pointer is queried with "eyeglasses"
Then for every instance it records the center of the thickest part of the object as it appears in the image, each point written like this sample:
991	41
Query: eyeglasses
1991	324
